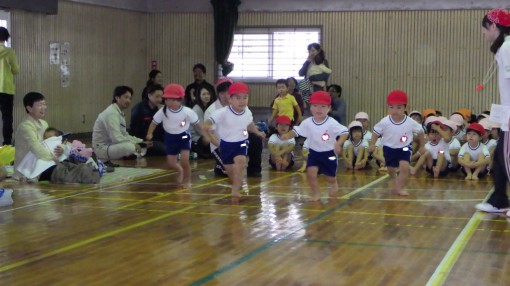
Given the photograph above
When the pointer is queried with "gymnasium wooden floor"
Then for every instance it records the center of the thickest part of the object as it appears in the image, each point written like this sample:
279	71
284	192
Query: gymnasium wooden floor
151	232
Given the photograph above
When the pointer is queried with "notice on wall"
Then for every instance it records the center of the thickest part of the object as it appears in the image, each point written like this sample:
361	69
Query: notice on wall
54	53
65	64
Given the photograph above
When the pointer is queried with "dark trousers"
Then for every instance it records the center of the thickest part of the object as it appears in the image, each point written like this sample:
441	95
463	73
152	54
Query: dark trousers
6	106
255	146
499	198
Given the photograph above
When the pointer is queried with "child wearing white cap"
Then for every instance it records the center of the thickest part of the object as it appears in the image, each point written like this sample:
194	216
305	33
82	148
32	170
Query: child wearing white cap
355	153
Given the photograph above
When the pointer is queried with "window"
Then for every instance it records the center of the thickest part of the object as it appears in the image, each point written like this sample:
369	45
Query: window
5	21
266	54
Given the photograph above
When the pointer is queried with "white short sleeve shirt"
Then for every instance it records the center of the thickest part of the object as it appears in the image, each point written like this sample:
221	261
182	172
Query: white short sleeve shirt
397	134
321	135
440	147
363	144
232	126
474	152
176	121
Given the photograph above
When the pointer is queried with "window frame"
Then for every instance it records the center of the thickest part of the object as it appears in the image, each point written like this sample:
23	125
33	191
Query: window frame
270	30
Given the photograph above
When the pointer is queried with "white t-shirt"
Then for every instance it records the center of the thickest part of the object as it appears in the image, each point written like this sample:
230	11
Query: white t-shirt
503	59
397	134
361	144
176	121
207	114
492	143
233	125
454	144
367	135
474	152
275	139
439	147
322	135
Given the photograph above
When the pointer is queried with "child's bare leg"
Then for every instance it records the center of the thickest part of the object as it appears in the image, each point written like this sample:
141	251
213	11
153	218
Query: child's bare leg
237	174
285	161
421	160
479	168
402	178
173	164
439	165
349	155
361	154
304	153
186	169
469	171
333	185
311	174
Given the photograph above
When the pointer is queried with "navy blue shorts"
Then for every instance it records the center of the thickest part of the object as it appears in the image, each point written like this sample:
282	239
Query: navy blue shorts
291	163
175	143
327	162
394	156
229	150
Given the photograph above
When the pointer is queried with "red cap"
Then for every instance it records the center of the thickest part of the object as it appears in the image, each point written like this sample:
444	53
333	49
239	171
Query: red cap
238	87
173	90
283	120
397	97
499	16
320	97
476	127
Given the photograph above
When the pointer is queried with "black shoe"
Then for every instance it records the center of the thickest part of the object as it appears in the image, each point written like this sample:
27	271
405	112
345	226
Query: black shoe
254	174
111	164
130	157
110	169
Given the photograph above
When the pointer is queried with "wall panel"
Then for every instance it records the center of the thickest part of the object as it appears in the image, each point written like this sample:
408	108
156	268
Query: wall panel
108	48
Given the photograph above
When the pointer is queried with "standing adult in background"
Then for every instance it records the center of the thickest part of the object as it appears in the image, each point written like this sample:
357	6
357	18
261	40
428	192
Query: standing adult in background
255	144
8	68
496	30
155	77
200	145
338	105
316	68
110	138
141	118
193	89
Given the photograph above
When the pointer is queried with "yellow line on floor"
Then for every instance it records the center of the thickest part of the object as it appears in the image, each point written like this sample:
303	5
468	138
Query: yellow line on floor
358	190
443	269
115	232
422	200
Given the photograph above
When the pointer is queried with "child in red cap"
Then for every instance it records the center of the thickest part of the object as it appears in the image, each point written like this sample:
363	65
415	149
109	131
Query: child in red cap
281	157
397	131
235	120
474	157
321	131
176	120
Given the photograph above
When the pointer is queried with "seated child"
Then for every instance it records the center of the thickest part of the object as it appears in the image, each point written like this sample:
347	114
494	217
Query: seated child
281	157
437	155
454	145
487	141
474	157
355	153
460	134
365	123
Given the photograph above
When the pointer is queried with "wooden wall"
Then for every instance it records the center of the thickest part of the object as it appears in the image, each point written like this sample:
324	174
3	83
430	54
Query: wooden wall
438	57
108	48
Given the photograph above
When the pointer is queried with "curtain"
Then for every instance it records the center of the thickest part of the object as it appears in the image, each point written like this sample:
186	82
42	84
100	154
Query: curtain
225	21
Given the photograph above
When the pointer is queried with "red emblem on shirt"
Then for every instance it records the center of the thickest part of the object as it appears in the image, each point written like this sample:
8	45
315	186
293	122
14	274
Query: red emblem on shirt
325	137
403	139
245	132
183	123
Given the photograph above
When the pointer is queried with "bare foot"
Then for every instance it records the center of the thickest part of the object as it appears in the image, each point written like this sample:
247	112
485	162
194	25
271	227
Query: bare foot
314	198
333	193
474	177
383	170
236	194
468	177
186	185
402	193
435	170
412	171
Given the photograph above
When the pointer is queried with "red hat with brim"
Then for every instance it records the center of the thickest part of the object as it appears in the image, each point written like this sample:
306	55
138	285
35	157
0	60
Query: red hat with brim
476	127
237	88
173	90
397	97
283	120
320	97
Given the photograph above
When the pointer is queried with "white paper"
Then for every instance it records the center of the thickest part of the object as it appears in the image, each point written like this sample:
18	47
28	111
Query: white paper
54	53
500	114
31	166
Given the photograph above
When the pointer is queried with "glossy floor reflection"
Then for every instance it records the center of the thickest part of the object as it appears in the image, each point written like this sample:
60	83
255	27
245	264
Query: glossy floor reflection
150	231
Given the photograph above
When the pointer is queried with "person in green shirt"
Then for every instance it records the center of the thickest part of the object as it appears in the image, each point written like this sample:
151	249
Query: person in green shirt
8	68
